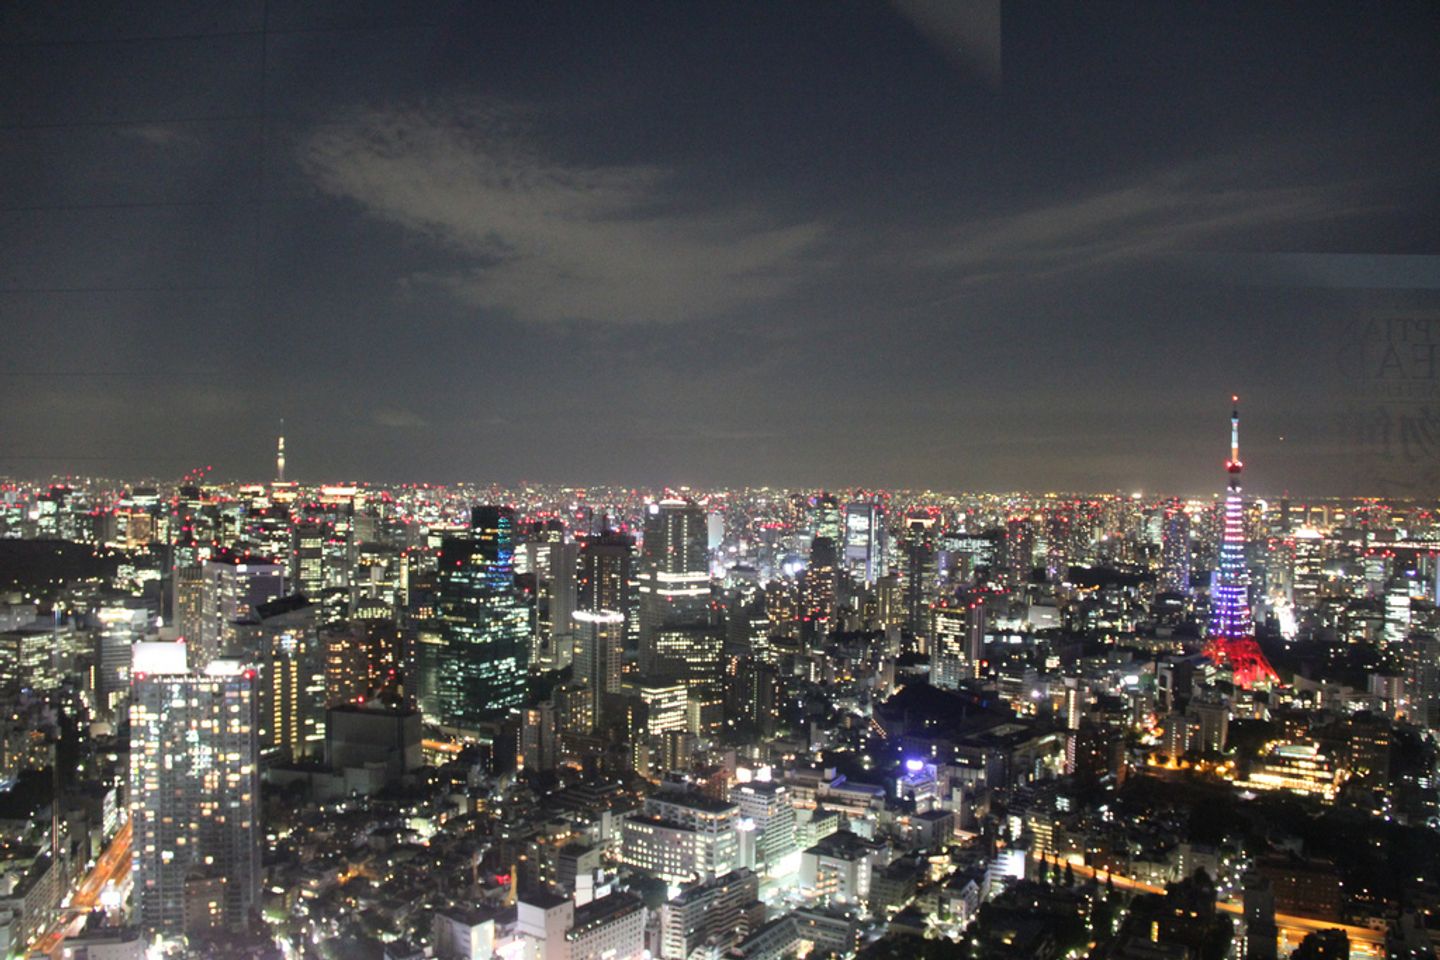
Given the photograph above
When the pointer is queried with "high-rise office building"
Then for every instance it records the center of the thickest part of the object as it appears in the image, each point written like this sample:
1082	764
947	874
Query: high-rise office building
823	517
1019	551
819	588
656	708
865	540
599	653
537	747
1420	684
233	586
1175	548
606	573
919	569
1397	614
282	639
187	598
307	556
678	641
674	569
122	623
194	791
767	811
606	579
691	656
480	666
958	643
560	597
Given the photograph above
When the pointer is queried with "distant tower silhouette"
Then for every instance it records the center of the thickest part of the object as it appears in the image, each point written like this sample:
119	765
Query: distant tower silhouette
280	455
1232	632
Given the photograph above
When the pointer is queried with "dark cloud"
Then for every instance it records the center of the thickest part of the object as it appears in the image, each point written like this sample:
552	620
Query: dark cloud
806	243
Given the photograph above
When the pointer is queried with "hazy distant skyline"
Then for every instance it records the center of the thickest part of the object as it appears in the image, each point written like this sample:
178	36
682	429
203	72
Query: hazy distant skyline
956	246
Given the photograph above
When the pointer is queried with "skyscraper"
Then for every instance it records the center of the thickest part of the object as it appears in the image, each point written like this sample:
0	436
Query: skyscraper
678	640
1232	632
1175	548
605	573
599	649
1019	551
233	586
817	602
1420	665
823	517
122	622
560	595
865	540
921	573
674	569
958	643
606	579
194	791
282	638
480	666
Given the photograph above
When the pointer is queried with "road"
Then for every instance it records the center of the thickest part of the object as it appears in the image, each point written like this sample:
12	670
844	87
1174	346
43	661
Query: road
1364	942
113	865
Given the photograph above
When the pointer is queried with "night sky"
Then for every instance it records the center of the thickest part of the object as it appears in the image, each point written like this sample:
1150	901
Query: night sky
954	245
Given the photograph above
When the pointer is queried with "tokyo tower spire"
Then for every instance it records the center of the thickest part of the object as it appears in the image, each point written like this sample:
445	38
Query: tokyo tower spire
1232	631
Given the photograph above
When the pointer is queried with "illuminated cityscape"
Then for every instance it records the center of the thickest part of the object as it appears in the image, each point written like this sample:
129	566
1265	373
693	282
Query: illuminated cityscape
607	481
1033	717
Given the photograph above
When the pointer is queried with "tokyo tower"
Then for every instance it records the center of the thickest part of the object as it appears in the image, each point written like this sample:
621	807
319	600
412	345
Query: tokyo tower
1232	632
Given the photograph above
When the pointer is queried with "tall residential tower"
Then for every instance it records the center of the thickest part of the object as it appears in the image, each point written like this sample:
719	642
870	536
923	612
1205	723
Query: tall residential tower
194	791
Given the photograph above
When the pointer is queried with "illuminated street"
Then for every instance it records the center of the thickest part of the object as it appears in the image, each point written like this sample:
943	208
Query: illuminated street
111	869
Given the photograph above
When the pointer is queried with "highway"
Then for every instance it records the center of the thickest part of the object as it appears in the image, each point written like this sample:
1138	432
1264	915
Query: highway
113	866
1364	942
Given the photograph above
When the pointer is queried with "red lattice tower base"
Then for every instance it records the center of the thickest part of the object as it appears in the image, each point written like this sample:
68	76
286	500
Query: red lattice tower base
1245	659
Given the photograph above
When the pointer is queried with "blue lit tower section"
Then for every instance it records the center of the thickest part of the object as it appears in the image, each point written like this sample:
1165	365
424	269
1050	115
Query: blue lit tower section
1232	632
484	626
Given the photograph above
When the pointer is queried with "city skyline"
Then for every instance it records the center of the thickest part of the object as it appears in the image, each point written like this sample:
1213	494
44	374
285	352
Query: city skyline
295	720
806	480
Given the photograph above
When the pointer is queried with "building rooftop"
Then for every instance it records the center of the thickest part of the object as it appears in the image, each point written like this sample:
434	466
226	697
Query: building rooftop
844	845
693	801
543	899
597	913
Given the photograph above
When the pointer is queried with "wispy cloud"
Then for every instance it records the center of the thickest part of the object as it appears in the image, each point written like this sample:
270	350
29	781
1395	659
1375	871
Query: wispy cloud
399	419
1189	208
552	240
965	31
161	135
